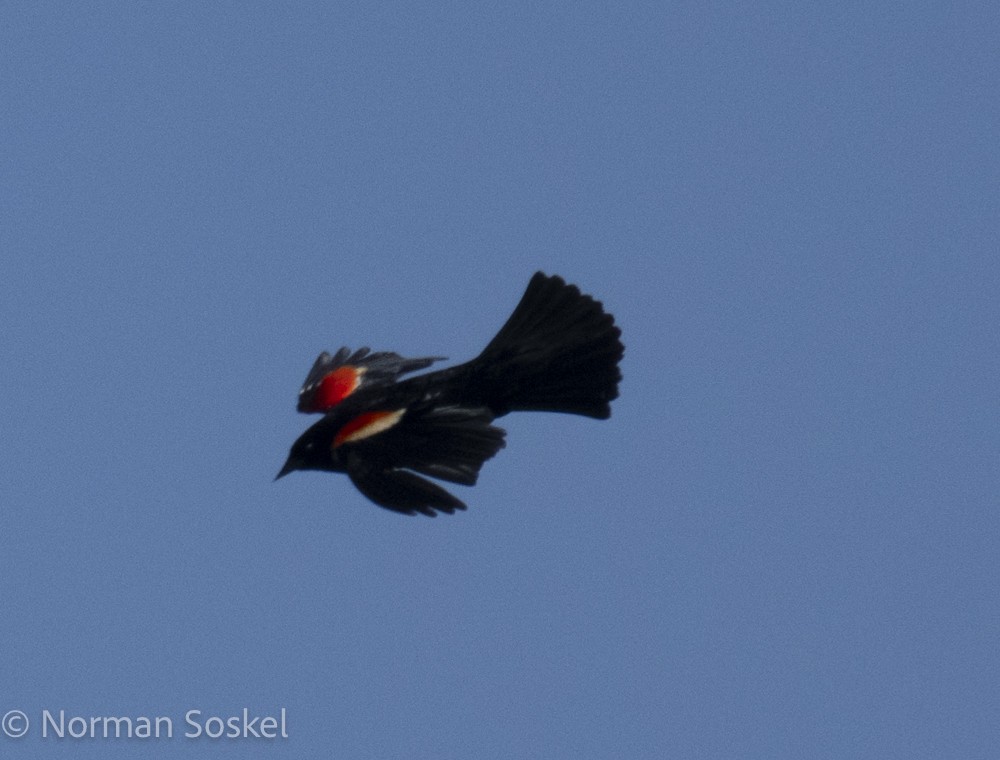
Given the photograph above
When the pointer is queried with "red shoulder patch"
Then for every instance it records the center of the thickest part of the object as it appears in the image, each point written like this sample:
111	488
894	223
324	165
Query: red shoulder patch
335	387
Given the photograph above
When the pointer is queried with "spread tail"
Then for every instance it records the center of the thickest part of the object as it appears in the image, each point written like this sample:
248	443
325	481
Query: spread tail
558	352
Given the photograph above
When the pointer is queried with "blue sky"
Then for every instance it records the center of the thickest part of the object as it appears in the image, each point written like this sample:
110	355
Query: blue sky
784	542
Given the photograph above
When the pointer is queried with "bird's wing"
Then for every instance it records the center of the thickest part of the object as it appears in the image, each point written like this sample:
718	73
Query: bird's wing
334	378
384	450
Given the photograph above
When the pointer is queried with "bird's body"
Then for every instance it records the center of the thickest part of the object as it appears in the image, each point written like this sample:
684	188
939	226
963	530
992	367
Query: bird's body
558	352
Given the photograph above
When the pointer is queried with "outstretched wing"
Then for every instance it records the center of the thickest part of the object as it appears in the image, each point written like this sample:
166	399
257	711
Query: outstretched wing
334	378
384	450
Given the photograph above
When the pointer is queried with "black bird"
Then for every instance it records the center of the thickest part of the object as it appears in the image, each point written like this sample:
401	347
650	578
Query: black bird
558	352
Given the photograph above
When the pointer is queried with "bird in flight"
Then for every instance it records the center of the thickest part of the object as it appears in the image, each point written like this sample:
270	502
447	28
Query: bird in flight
558	352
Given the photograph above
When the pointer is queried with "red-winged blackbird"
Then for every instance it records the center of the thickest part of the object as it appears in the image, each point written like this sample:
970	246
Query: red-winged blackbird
558	352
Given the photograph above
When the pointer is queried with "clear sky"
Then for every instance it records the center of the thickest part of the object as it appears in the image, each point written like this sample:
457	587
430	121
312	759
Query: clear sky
783	544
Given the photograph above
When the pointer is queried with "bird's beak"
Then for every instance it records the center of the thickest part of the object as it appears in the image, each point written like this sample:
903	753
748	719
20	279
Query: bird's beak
289	466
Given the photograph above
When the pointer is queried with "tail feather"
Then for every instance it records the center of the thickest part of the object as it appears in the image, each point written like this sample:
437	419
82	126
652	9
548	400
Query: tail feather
558	352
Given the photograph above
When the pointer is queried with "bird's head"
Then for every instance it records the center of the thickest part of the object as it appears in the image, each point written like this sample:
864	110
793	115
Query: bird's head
309	453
